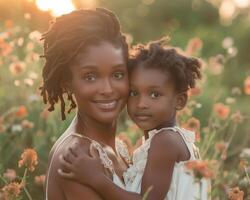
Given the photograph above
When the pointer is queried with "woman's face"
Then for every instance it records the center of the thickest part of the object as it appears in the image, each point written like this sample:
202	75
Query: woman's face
100	82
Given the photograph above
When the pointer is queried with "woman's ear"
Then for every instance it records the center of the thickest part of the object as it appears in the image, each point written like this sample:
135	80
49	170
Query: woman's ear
181	100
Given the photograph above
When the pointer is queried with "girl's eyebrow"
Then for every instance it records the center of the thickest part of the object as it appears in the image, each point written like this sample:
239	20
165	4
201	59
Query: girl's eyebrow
155	86
119	65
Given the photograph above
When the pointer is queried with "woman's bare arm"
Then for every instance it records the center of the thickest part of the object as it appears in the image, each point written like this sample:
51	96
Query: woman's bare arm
65	189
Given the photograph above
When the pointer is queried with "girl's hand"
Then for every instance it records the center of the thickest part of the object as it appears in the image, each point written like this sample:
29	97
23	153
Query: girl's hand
81	167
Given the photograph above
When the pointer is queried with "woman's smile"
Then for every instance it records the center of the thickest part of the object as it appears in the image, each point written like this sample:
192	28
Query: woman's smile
107	105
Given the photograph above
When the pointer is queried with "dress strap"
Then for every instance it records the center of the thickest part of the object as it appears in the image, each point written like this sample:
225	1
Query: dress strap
51	161
106	161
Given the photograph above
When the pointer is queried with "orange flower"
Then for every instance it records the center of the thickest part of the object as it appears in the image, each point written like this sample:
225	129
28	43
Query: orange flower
27	124
45	114
39	180
216	64
194	45
17	68
221	147
194	91
193	124
8	23
201	169
5	48
236	194
10	174
28	159
12	190
221	110
22	111
243	164
247	85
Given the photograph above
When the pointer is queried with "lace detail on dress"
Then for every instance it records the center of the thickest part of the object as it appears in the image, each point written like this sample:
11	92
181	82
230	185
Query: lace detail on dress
106	161
122	149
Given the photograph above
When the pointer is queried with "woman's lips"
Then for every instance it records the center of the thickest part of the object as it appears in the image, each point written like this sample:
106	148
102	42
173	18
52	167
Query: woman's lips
106	105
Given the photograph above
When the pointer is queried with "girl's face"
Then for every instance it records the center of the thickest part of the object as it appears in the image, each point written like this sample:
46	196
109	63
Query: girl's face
100	82
152	98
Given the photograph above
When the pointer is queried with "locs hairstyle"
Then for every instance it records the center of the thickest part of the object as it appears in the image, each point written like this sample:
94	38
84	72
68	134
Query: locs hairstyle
67	36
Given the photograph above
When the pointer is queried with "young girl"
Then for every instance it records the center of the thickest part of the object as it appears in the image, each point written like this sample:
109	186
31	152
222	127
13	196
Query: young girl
159	80
86	62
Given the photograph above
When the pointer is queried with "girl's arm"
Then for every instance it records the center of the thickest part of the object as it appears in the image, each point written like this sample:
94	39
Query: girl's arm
158	171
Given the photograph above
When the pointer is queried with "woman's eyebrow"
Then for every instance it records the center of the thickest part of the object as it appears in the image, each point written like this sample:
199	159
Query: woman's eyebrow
88	66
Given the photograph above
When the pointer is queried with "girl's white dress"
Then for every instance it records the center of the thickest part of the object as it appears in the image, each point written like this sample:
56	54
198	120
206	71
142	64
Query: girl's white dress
183	185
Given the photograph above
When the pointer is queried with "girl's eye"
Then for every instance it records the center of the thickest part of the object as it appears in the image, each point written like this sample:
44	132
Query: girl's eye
154	95
132	93
118	75
90	77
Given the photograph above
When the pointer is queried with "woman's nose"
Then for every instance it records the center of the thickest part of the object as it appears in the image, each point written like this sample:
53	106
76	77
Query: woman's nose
106	88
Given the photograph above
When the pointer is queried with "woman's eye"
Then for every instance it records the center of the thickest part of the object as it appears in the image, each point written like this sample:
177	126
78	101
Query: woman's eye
118	75
154	95
90	77
132	93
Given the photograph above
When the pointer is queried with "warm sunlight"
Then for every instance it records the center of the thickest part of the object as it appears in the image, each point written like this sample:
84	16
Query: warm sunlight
56	7
242	3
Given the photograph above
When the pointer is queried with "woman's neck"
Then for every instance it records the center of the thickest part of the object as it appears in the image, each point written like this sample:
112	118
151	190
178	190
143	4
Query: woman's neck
101	132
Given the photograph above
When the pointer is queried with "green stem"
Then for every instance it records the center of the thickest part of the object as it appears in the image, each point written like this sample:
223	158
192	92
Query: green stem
248	179
3	179
24	184
210	139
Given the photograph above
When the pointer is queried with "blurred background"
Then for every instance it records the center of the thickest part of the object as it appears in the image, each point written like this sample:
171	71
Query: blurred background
217	31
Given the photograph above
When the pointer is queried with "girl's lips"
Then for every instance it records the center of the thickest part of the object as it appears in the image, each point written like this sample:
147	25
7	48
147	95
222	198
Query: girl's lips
142	117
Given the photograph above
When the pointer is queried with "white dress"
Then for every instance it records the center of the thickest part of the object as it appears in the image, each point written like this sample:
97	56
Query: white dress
183	185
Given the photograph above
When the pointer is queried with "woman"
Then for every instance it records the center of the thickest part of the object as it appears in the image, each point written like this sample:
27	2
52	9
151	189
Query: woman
86	59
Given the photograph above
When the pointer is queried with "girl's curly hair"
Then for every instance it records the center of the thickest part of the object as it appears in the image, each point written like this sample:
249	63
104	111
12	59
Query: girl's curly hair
183	70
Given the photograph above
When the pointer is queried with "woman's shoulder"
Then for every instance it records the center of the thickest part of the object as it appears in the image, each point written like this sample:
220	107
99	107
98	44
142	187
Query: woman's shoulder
70	140
59	185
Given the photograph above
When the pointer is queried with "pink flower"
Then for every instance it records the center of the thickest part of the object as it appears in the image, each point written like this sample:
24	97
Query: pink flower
10	174
39	180
221	110
194	45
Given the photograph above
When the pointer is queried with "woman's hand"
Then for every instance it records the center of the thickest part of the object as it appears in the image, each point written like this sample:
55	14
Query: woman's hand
81	167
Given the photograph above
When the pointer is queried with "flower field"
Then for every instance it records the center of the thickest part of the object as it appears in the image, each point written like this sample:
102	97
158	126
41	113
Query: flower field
218	111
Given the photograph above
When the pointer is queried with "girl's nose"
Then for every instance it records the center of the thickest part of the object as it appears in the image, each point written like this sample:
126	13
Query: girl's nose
142	103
